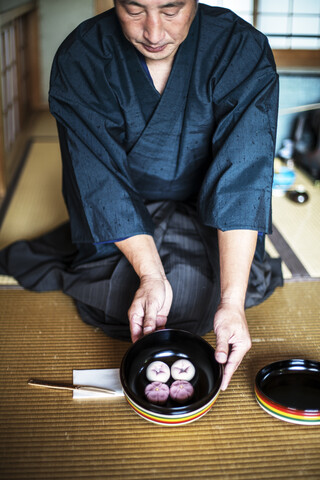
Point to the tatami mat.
(45, 434)
(37, 205)
(43, 125)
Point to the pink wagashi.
(181, 391)
(157, 392)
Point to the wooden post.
(28, 47)
(2, 152)
(255, 12)
(33, 55)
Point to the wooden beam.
(297, 58)
(103, 5)
(14, 13)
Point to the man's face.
(156, 27)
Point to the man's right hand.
(150, 307)
(152, 301)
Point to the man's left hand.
(233, 339)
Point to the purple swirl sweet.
(181, 391)
(157, 392)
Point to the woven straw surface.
(45, 434)
(37, 205)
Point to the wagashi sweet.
(181, 391)
(158, 372)
(183, 369)
(157, 392)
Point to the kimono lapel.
(147, 96)
(164, 120)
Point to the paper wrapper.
(105, 378)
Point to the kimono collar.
(157, 112)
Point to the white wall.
(57, 18)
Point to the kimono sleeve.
(236, 192)
(102, 201)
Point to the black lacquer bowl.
(168, 346)
(290, 390)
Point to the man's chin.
(160, 53)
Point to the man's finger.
(222, 346)
(234, 360)
(136, 322)
(229, 370)
(136, 309)
(150, 318)
(161, 321)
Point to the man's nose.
(153, 30)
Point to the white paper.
(105, 378)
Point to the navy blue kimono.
(178, 166)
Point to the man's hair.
(114, 1)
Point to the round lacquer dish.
(168, 346)
(290, 391)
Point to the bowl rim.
(178, 411)
(279, 366)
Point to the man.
(166, 113)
